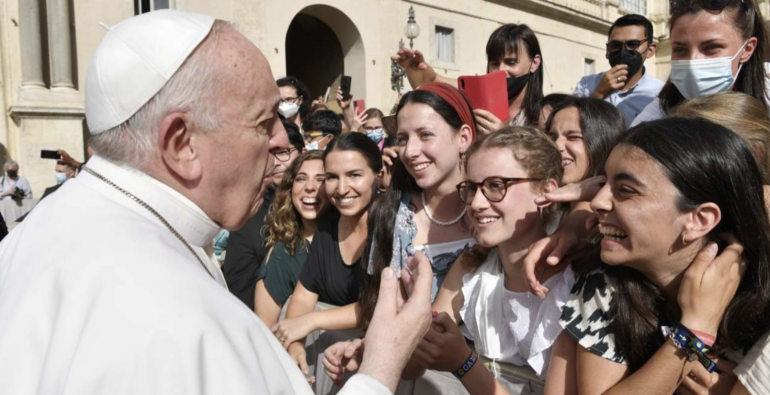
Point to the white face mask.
(312, 146)
(702, 77)
(60, 177)
(287, 109)
(375, 134)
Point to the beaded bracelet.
(467, 365)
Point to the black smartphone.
(48, 154)
(345, 82)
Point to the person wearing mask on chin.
(626, 85)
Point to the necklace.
(152, 211)
(435, 221)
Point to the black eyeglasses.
(284, 155)
(712, 5)
(631, 45)
(290, 99)
(493, 188)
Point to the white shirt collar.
(180, 212)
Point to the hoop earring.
(684, 234)
(540, 212)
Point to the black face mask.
(516, 84)
(12, 173)
(628, 57)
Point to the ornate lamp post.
(411, 31)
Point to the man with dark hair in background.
(626, 85)
(320, 127)
(246, 246)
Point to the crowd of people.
(612, 240)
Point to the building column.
(31, 43)
(60, 44)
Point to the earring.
(684, 234)
(540, 212)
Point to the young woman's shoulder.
(586, 315)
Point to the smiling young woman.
(675, 188)
(333, 269)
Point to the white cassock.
(98, 297)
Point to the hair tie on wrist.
(704, 337)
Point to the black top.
(325, 273)
(281, 271)
(245, 252)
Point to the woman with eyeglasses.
(716, 46)
(295, 100)
(484, 290)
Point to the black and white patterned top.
(586, 315)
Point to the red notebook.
(487, 92)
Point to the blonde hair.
(538, 156)
(739, 112)
(283, 222)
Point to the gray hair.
(191, 90)
(11, 162)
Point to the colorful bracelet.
(692, 347)
(467, 365)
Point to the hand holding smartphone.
(487, 92)
(48, 154)
(345, 83)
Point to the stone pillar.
(59, 42)
(31, 43)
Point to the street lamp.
(412, 30)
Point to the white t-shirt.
(754, 369)
(526, 326)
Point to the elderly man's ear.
(178, 151)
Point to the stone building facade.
(46, 47)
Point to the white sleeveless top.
(512, 327)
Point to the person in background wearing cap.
(626, 85)
(110, 285)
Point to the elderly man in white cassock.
(110, 285)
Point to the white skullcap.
(135, 60)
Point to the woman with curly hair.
(291, 222)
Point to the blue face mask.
(702, 77)
(60, 177)
(375, 134)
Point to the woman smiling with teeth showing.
(333, 269)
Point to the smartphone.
(360, 106)
(345, 82)
(487, 92)
(48, 154)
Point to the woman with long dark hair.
(511, 48)
(421, 210)
(651, 318)
(716, 46)
(333, 269)
(585, 131)
(291, 222)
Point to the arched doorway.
(322, 44)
